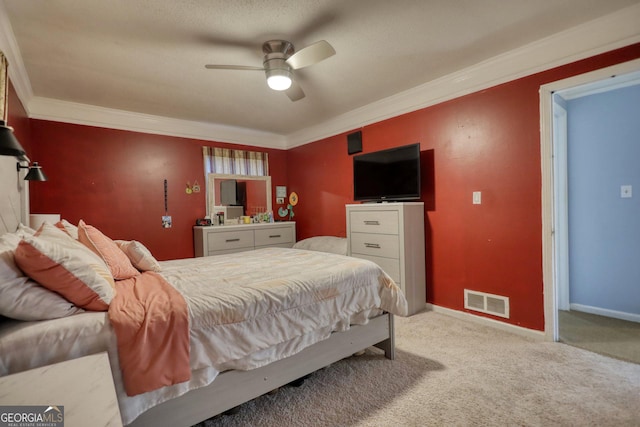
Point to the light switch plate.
(626, 191)
(477, 197)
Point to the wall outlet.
(280, 200)
(626, 191)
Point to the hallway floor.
(604, 335)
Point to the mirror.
(258, 190)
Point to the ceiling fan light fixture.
(278, 72)
(279, 82)
(279, 79)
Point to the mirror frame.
(211, 187)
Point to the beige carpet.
(604, 335)
(449, 372)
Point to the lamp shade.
(9, 145)
(278, 82)
(278, 74)
(36, 220)
(35, 173)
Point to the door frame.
(598, 80)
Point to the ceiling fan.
(280, 59)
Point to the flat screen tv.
(386, 175)
(233, 193)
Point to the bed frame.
(232, 388)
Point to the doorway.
(559, 326)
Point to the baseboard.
(631, 317)
(528, 333)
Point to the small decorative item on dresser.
(203, 221)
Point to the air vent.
(486, 303)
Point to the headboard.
(14, 196)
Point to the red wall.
(488, 141)
(114, 180)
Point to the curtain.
(235, 162)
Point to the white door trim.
(547, 168)
(561, 208)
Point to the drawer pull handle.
(274, 236)
(232, 240)
(372, 223)
(372, 245)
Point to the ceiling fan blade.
(233, 67)
(295, 92)
(311, 54)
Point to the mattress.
(246, 310)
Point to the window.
(235, 162)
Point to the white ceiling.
(148, 56)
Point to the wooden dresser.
(226, 239)
(392, 236)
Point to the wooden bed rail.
(232, 388)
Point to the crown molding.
(606, 33)
(91, 115)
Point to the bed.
(257, 320)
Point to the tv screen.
(392, 174)
(233, 193)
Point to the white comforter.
(246, 310)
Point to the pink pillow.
(22, 298)
(63, 265)
(105, 248)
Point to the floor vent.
(486, 303)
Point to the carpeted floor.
(449, 372)
(605, 335)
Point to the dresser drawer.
(226, 240)
(391, 266)
(382, 245)
(381, 222)
(274, 236)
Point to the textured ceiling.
(148, 56)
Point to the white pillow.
(24, 230)
(139, 255)
(331, 244)
(71, 229)
(22, 298)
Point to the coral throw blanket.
(151, 321)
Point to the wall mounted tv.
(392, 174)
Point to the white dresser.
(226, 239)
(392, 235)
